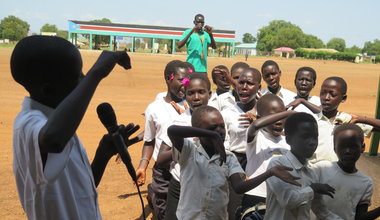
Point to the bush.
(324, 55)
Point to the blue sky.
(354, 21)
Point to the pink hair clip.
(185, 81)
(190, 70)
(172, 76)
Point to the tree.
(354, 49)
(49, 28)
(63, 33)
(338, 44)
(372, 48)
(248, 38)
(270, 37)
(313, 42)
(13, 28)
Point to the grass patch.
(7, 45)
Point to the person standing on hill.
(197, 40)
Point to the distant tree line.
(278, 33)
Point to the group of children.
(289, 152)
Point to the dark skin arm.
(240, 186)
(314, 108)
(164, 156)
(365, 120)
(265, 121)
(106, 150)
(183, 42)
(208, 29)
(362, 213)
(147, 153)
(66, 117)
(178, 133)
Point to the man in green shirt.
(197, 41)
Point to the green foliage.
(338, 44)
(62, 33)
(312, 41)
(248, 38)
(49, 28)
(13, 28)
(280, 33)
(372, 48)
(353, 49)
(324, 55)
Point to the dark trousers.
(249, 201)
(160, 184)
(172, 199)
(235, 199)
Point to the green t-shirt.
(197, 44)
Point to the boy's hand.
(141, 175)
(324, 189)
(223, 72)
(294, 104)
(208, 29)
(107, 61)
(247, 118)
(282, 173)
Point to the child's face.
(176, 87)
(197, 94)
(247, 87)
(305, 141)
(221, 82)
(274, 107)
(331, 95)
(348, 147)
(271, 75)
(236, 73)
(304, 83)
(212, 121)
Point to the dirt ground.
(131, 91)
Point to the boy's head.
(199, 19)
(219, 80)
(333, 92)
(271, 74)
(248, 84)
(269, 104)
(48, 67)
(237, 69)
(176, 74)
(198, 90)
(301, 133)
(209, 118)
(305, 81)
(348, 143)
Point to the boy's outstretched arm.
(164, 156)
(240, 186)
(362, 213)
(265, 121)
(177, 133)
(107, 149)
(375, 123)
(65, 119)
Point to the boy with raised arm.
(53, 175)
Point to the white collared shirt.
(204, 183)
(351, 190)
(226, 100)
(302, 108)
(65, 188)
(286, 201)
(286, 95)
(325, 149)
(237, 134)
(183, 119)
(259, 153)
(157, 115)
(213, 101)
